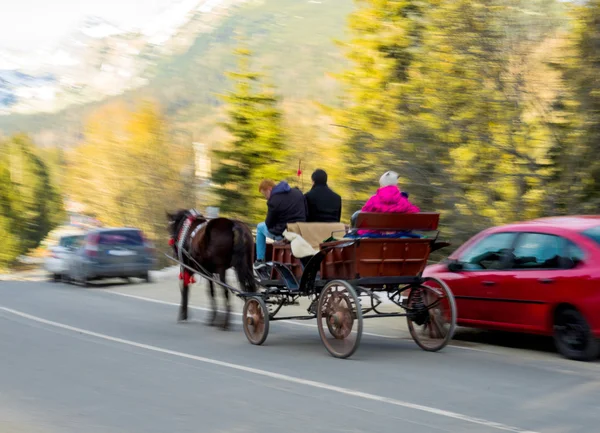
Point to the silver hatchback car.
(111, 253)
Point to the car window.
(574, 253)
(129, 238)
(539, 251)
(490, 252)
(79, 241)
(70, 241)
(593, 234)
(66, 241)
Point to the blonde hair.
(265, 185)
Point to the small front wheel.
(340, 312)
(255, 318)
(431, 314)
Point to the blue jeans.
(262, 233)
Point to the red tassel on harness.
(171, 242)
(187, 278)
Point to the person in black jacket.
(285, 205)
(324, 205)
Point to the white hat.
(388, 178)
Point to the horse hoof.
(212, 320)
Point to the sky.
(31, 24)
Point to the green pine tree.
(257, 150)
(385, 39)
(31, 204)
(443, 91)
(9, 247)
(581, 68)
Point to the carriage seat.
(393, 225)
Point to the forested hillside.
(294, 40)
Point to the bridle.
(177, 241)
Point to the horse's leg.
(213, 301)
(227, 305)
(183, 308)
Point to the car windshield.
(593, 234)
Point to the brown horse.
(216, 245)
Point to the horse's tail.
(243, 252)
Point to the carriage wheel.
(336, 329)
(339, 310)
(256, 320)
(431, 314)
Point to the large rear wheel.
(339, 311)
(431, 314)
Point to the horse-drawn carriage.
(346, 279)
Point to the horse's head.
(176, 220)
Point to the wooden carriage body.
(346, 276)
(371, 257)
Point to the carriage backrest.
(424, 221)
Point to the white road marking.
(290, 322)
(192, 307)
(277, 376)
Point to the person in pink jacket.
(388, 199)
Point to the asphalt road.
(93, 360)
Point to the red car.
(539, 277)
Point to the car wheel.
(573, 337)
(147, 278)
(55, 278)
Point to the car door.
(483, 267)
(75, 258)
(66, 247)
(537, 271)
(71, 249)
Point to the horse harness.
(182, 235)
